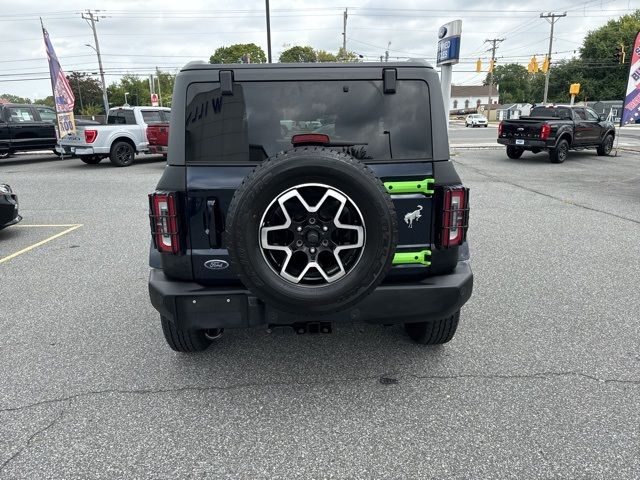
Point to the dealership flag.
(631, 110)
(62, 93)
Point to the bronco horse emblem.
(410, 217)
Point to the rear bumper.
(81, 151)
(193, 306)
(528, 144)
(157, 149)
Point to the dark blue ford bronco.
(306, 194)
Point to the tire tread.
(434, 333)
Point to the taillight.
(164, 222)
(545, 131)
(500, 129)
(90, 136)
(455, 216)
(310, 138)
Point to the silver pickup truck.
(120, 139)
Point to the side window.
(21, 114)
(151, 116)
(166, 116)
(47, 115)
(121, 117)
(591, 115)
(579, 114)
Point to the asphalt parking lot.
(541, 381)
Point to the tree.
(14, 98)
(298, 54)
(92, 109)
(324, 56)
(346, 56)
(48, 101)
(166, 87)
(514, 83)
(136, 88)
(85, 88)
(608, 79)
(234, 53)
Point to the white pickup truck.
(124, 135)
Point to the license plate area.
(519, 141)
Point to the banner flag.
(631, 107)
(62, 93)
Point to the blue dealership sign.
(449, 43)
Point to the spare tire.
(311, 231)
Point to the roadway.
(541, 379)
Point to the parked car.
(367, 224)
(124, 135)
(158, 137)
(556, 129)
(476, 120)
(8, 206)
(25, 127)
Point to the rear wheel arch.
(565, 136)
(129, 140)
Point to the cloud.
(137, 36)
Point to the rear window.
(551, 112)
(152, 116)
(121, 117)
(260, 118)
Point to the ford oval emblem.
(216, 264)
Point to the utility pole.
(91, 19)
(159, 92)
(79, 91)
(554, 18)
(386, 53)
(494, 44)
(268, 31)
(344, 30)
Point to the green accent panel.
(411, 186)
(401, 258)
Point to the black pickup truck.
(557, 129)
(26, 127)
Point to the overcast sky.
(138, 35)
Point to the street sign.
(574, 89)
(154, 100)
(449, 43)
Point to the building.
(513, 111)
(604, 107)
(470, 97)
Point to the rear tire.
(122, 154)
(514, 152)
(433, 333)
(91, 159)
(187, 341)
(485, 125)
(5, 155)
(606, 146)
(559, 154)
